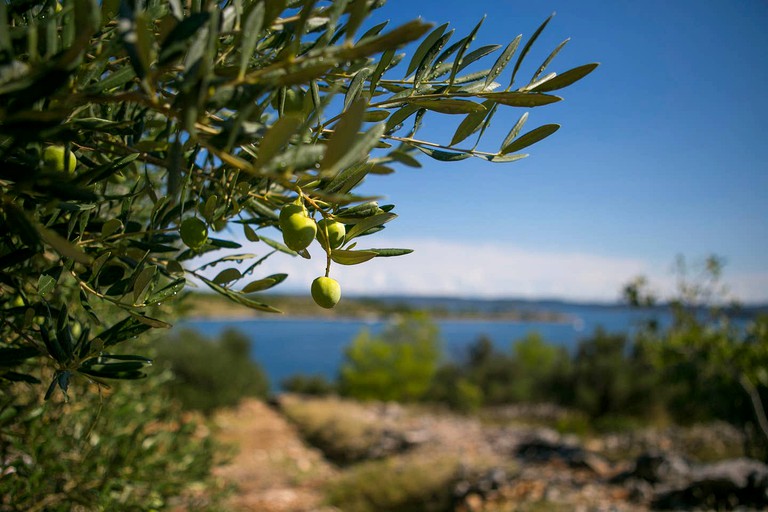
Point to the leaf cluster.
(224, 112)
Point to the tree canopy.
(136, 136)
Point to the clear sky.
(662, 152)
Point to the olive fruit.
(298, 231)
(194, 232)
(289, 210)
(53, 159)
(326, 292)
(335, 230)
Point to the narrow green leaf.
(549, 59)
(527, 48)
(394, 39)
(369, 222)
(531, 137)
(443, 156)
(239, 297)
(344, 133)
(359, 149)
(449, 106)
(278, 136)
(254, 22)
(63, 246)
(471, 123)
(388, 253)
(45, 285)
(504, 158)
(167, 291)
(400, 116)
(346, 257)
(567, 78)
(424, 47)
(227, 276)
(250, 234)
(515, 130)
(225, 244)
(277, 246)
(374, 116)
(520, 99)
(153, 323)
(503, 60)
(175, 43)
(257, 286)
(142, 281)
(426, 63)
(457, 63)
(357, 15)
(111, 227)
(405, 158)
(381, 67)
(477, 54)
(129, 327)
(265, 283)
(355, 86)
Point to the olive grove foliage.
(220, 111)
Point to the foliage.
(398, 364)
(131, 449)
(409, 483)
(223, 112)
(610, 378)
(209, 374)
(315, 385)
(712, 360)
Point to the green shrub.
(399, 364)
(131, 449)
(451, 387)
(315, 385)
(409, 483)
(609, 379)
(211, 374)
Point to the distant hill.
(550, 310)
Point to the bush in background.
(399, 364)
(314, 385)
(209, 374)
(131, 449)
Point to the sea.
(285, 347)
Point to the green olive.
(53, 159)
(326, 292)
(294, 101)
(289, 210)
(298, 231)
(335, 230)
(194, 233)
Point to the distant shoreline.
(213, 307)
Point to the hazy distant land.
(205, 305)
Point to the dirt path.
(272, 468)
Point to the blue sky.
(662, 152)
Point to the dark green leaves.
(343, 257)
(449, 106)
(344, 133)
(521, 99)
(531, 137)
(178, 39)
(239, 297)
(567, 78)
(503, 60)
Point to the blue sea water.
(290, 346)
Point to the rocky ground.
(472, 464)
